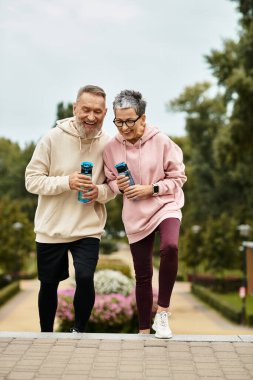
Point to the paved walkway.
(124, 357)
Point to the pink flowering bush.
(111, 313)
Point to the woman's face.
(130, 133)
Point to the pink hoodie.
(154, 158)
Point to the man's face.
(90, 111)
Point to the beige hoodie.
(59, 216)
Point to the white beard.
(86, 132)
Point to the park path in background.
(189, 315)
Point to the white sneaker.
(161, 325)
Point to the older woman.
(151, 205)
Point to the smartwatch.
(155, 188)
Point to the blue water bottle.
(86, 168)
(123, 169)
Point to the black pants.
(52, 260)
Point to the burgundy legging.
(142, 258)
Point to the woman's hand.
(139, 191)
(122, 182)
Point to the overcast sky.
(50, 48)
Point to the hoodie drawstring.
(139, 160)
(140, 178)
(91, 145)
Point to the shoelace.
(163, 319)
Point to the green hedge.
(9, 291)
(114, 264)
(210, 298)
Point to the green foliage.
(108, 246)
(13, 161)
(16, 244)
(63, 112)
(9, 291)
(219, 153)
(114, 264)
(114, 224)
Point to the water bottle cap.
(87, 163)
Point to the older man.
(62, 223)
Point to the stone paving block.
(77, 359)
(132, 345)
(44, 341)
(88, 343)
(8, 363)
(18, 341)
(155, 351)
(249, 365)
(107, 353)
(156, 343)
(62, 348)
(180, 355)
(157, 365)
(99, 365)
(210, 373)
(207, 365)
(20, 375)
(223, 346)
(167, 377)
(202, 351)
(130, 376)
(104, 359)
(233, 370)
(200, 344)
(108, 347)
(204, 359)
(178, 347)
(246, 358)
(50, 371)
(235, 377)
(157, 372)
(73, 377)
(30, 362)
(244, 350)
(103, 374)
(182, 368)
(185, 376)
(130, 368)
(131, 353)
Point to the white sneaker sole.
(163, 336)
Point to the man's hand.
(83, 183)
(139, 191)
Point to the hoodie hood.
(67, 126)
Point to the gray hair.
(130, 99)
(92, 90)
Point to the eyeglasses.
(129, 123)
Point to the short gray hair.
(130, 99)
(92, 90)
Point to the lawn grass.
(236, 301)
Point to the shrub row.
(9, 291)
(225, 309)
(219, 285)
(114, 264)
